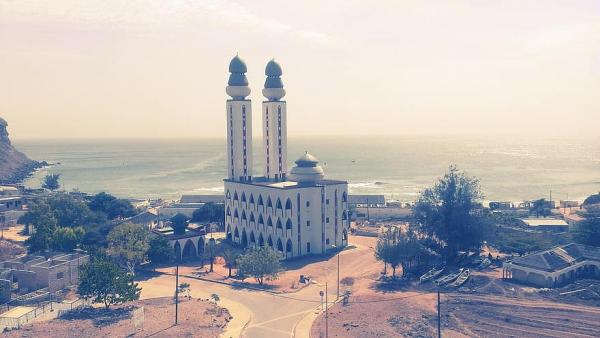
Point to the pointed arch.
(189, 249)
(244, 215)
(345, 236)
(269, 202)
(269, 222)
(228, 212)
(344, 197)
(288, 224)
(236, 233)
(228, 232)
(177, 249)
(279, 245)
(252, 198)
(260, 201)
(261, 221)
(228, 195)
(252, 238)
(270, 241)
(261, 240)
(288, 246)
(279, 225)
(235, 214)
(243, 197)
(288, 205)
(252, 220)
(244, 241)
(278, 204)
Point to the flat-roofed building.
(546, 224)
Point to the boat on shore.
(461, 279)
(448, 278)
(431, 274)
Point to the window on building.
(307, 204)
(60, 275)
(327, 220)
(327, 241)
(307, 246)
(307, 223)
(327, 201)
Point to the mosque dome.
(237, 86)
(237, 65)
(307, 170)
(273, 90)
(273, 69)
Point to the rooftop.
(262, 181)
(559, 257)
(536, 222)
(364, 199)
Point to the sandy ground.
(486, 306)
(14, 233)
(196, 319)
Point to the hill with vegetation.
(14, 165)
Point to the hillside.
(14, 165)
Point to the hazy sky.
(147, 68)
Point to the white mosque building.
(296, 213)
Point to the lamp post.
(338, 270)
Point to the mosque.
(297, 213)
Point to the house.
(546, 224)
(364, 201)
(555, 267)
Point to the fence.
(52, 309)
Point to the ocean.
(510, 169)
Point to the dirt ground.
(486, 306)
(196, 319)
(10, 250)
(14, 233)
(356, 262)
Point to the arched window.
(251, 217)
(288, 246)
(236, 233)
(228, 195)
(278, 204)
(260, 220)
(279, 245)
(269, 222)
(261, 240)
(228, 212)
(288, 205)
(260, 201)
(288, 224)
(344, 215)
(235, 197)
(344, 197)
(270, 241)
(252, 239)
(235, 214)
(279, 225)
(251, 198)
(269, 203)
(243, 215)
(243, 197)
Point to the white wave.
(212, 189)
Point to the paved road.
(271, 315)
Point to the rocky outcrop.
(14, 165)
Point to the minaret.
(239, 123)
(274, 124)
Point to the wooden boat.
(462, 278)
(485, 263)
(431, 274)
(448, 278)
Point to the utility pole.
(326, 314)
(176, 289)
(439, 315)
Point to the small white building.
(546, 224)
(296, 213)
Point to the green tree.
(209, 212)
(230, 256)
(448, 213)
(592, 199)
(159, 250)
(179, 223)
(261, 263)
(104, 282)
(111, 206)
(44, 222)
(128, 243)
(588, 231)
(51, 182)
(66, 239)
(71, 211)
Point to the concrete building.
(297, 212)
(555, 267)
(546, 224)
(366, 201)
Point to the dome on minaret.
(238, 83)
(273, 90)
(307, 170)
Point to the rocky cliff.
(14, 165)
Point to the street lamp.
(338, 270)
